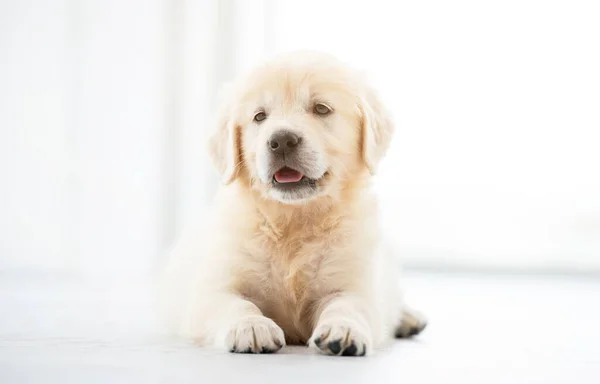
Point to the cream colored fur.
(261, 272)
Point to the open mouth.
(287, 175)
(292, 184)
(289, 179)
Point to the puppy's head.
(302, 125)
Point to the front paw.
(341, 339)
(255, 334)
(411, 324)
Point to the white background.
(104, 108)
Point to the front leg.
(342, 327)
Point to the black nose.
(283, 142)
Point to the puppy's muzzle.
(284, 142)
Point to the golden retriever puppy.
(293, 252)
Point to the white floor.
(511, 329)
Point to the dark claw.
(249, 350)
(266, 350)
(350, 350)
(335, 347)
(412, 331)
(318, 342)
(421, 328)
(364, 351)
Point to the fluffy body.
(302, 265)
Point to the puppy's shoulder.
(234, 209)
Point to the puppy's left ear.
(377, 129)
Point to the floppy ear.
(377, 129)
(224, 145)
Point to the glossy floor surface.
(483, 329)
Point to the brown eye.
(322, 109)
(260, 116)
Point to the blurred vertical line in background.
(122, 111)
(170, 175)
(34, 115)
(269, 26)
(200, 64)
(73, 87)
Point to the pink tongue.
(287, 175)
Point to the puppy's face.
(300, 133)
(300, 127)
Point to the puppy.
(293, 252)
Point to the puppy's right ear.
(224, 145)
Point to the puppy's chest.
(288, 266)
